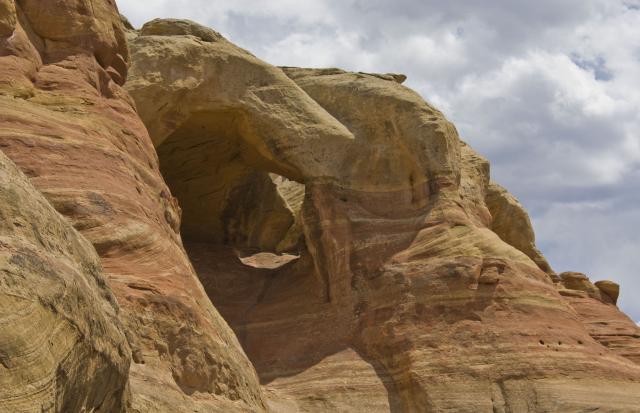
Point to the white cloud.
(548, 90)
(587, 236)
(342, 47)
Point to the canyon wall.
(74, 131)
(62, 346)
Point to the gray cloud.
(548, 90)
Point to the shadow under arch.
(223, 184)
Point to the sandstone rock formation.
(595, 305)
(356, 246)
(60, 336)
(67, 123)
(417, 286)
(511, 222)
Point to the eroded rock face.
(67, 123)
(62, 346)
(410, 291)
(454, 291)
(595, 305)
(511, 222)
(354, 243)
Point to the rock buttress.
(68, 124)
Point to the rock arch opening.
(242, 228)
(240, 218)
(229, 194)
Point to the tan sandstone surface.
(67, 123)
(357, 248)
(60, 336)
(409, 290)
(595, 305)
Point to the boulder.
(610, 289)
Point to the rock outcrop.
(595, 305)
(512, 224)
(62, 346)
(417, 285)
(68, 124)
(355, 245)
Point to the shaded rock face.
(415, 285)
(70, 127)
(62, 346)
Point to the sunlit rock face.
(61, 335)
(68, 124)
(357, 253)
(380, 269)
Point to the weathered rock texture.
(354, 243)
(67, 123)
(595, 305)
(62, 346)
(416, 285)
(511, 222)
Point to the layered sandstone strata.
(60, 335)
(68, 124)
(595, 304)
(354, 243)
(416, 285)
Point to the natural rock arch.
(224, 188)
(399, 309)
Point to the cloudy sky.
(547, 90)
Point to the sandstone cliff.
(355, 245)
(68, 124)
(60, 333)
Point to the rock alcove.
(240, 219)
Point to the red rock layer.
(67, 123)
